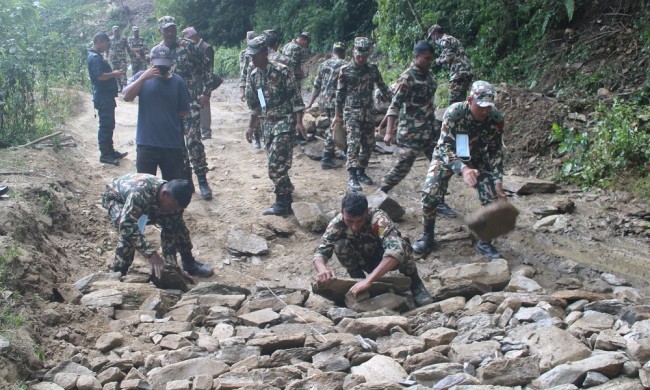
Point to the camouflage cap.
(338, 45)
(135, 28)
(189, 32)
(306, 35)
(115, 28)
(161, 55)
(483, 93)
(436, 28)
(362, 44)
(166, 21)
(250, 35)
(256, 45)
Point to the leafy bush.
(616, 147)
(226, 61)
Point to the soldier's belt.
(276, 118)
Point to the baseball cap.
(189, 32)
(436, 28)
(362, 45)
(135, 28)
(250, 35)
(483, 93)
(306, 35)
(338, 45)
(161, 55)
(115, 28)
(166, 21)
(256, 45)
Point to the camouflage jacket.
(354, 89)
(138, 193)
(413, 102)
(485, 140)
(453, 55)
(280, 92)
(378, 234)
(295, 53)
(326, 80)
(193, 67)
(277, 56)
(119, 49)
(244, 67)
(138, 45)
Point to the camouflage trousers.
(458, 89)
(174, 236)
(358, 255)
(330, 146)
(138, 65)
(409, 150)
(195, 149)
(361, 140)
(279, 137)
(437, 181)
(122, 65)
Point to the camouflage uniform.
(282, 102)
(296, 54)
(117, 55)
(325, 82)
(193, 67)
(138, 62)
(485, 145)
(453, 55)
(277, 56)
(244, 67)
(354, 93)
(364, 251)
(413, 103)
(129, 198)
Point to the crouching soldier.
(136, 199)
(367, 241)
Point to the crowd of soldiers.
(467, 142)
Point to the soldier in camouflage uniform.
(207, 50)
(280, 108)
(296, 51)
(245, 66)
(138, 199)
(325, 87)
(452, 56)
(139, 51)
(354, 93)
(117, 55)
(367, 241)
(272, 43)
(193, 67)
(481, 125)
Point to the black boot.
(385, 187)
(486, 248)
(119, 155)
(446, 211)
(206, 192)
(327, 163)
(420, 294)
(106, 155)
(362, 177)
(424, 244)
(193, 267)
(188, 177)
(353, 181)
(280, 207)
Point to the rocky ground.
(567, 307)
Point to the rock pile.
(490, 328)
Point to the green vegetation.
(615, 148)
(9, 319)
(226, 61)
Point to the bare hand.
(150, 73)
(360, 287)
(388, 138)
(156, 265)
(325, 276)
(242, 94)
(117, 74)
(249, 135)
(187, 277)
(470, 176)
(300, 129)
(204, 100)
(501, 193)
(336, 121)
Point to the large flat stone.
(554, 346)
(495, 274)
(309, 216)
(526, 186)
(380, 368)
(336, 289)
(509, 372)
(241, 243)
(103, 298)
(608, 363)
(373, 327)
(260, 318)
(158, 377)
(381, 200)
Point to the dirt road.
(242, 190)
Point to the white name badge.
(260, 96)
(462, 145)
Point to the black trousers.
(170, 161)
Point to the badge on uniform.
(260, 96)
(462, 145)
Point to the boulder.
(607, 363)
(108, 341)
(309, 216)
(373, 327)
(526, 186)
(241, 243)
(158, 377)
(509, 372)
(429, 375)
(381, 200)
(380, 368)
(474, 353)
(103, 298)
(554, 346)
(495, 274)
